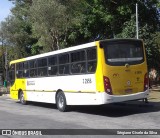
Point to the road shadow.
(119, 109)
(109, 110)
(39, 104)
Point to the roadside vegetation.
(38, 26)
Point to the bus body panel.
(74, 83)
(44, 89)
(19, 84)
(126, 77)
(127, 82)
(99, 70)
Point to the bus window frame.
(91, 60)
(34, 68)
(67, 64)
(29, 67)
(78, 63)
(42, 70)
(103, 44)
(53, 65)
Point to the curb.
(157, 90)
(6, 95)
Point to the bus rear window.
(119, 53)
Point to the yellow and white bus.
(95, 73)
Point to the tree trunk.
(55, 40)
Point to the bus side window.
(78, 62)
(52, 70)
(78, 67)
(63, 64)
(42, 67)
(91, 66)
(33, 68)
(26, 70)
(52, 65)
(12, 74)
(33, 72)
(64, 69)
(26, 73)
(91, 60)
(19, 70)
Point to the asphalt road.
(133, 115)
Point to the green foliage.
(38, 26)
(51, 21)
(18, 29)
(153, 50)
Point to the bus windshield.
(123, 52)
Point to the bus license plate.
(128, 90)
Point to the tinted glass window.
(19, 66)
(12, 74)
(52, 65)
(91, 66)
(32, 64)
(78, 56)
(52, 60)
(42, 71)
(19, 70)
(63, 59)
(33, 72)
(25, 65)
(91, 60)
(78, 62)
(64, 64)
(26, 73)
(19, 74)
(124, 52)
(42, 62)
(91, 54)
(64, 69)
(78, 67)
(52, 70)
(33, 69)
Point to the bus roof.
(56, 52)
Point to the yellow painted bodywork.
(99, 70)
(19, 84)
(119, 76)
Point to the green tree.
(51, 21)
(19, 29)
(147, 29)
(55, 24)
(106, 19)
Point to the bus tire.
(61, 102)
(22, 99)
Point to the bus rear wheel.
(61, 102)
(22, 99)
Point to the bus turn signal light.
(107, 85)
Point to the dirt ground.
(154, 94)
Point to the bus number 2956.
(87, 80)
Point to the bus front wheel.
(61, 102)
(22, 99)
